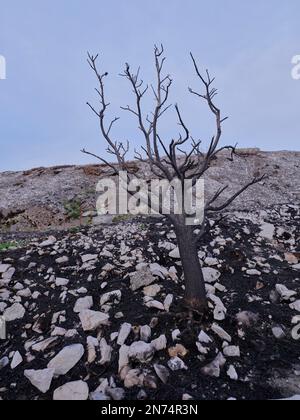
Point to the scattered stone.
(141, 279)
(66, 359)
(232, 351)
(16, 361)
(175, 254)
(91, 320)
(145, 333)
(159, 343)
(221, 333)
(267, 231)
(133, 378)
(62, 260)
(41, 346)
(177, 364)
(88, 258)
(60, 282)
(247, 318)
(168, 302)
(253, 272)
(49, 242)
(284, 292)
(214, 368)
(162, 372)
(141, 351)
(232, 373)
(278, 333)
(152, 290)
(40, 379)
(211, 275)
(124, 333)
(295, 306)
(117, 394)
(83, 303)
(105, 351)
(155, 305)
(4, 362)
(72, 391)
(204, 338)
(16, 311)
(114, 297)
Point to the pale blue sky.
(247, 45)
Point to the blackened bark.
(195, 293)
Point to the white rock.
(232, 351)
(214, 368)
(60, 282)
(88, 258)
(124, 333)
(221, 333)
(117, 394)
(83, 303)
(133, 378)
(43, 345)
(210, 275)
(220, 311)
(231, 372)
(123, 357)
(267, 231)
(175, 335)
(114, 296)
(247, 318)
(162, 372)
(145, 333)
(16, 361)
(4, 362)
(91, 320)
(278, 333)
(40, 379)
(92, 343)
(66, 359)
(152, 290)
(62, 260)
(155, 304)
(4, 268)
(141, 351)
(175, 254)
(141, 278)
(175, 363)
(204, 338)
(211, 262)
(105, 351)
(158, 270)
(49, 242)
(159, 343)
(72, 391)
(284, 292)
(168, 302)
(253, 272)
(295, 306)
(16, 311)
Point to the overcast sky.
(247, 45)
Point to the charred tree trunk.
(195, 293)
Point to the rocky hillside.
(96, 314)
(45, 198)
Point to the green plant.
(5, 246)
(73, 209)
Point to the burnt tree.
(168, 160)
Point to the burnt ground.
(267, 368)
